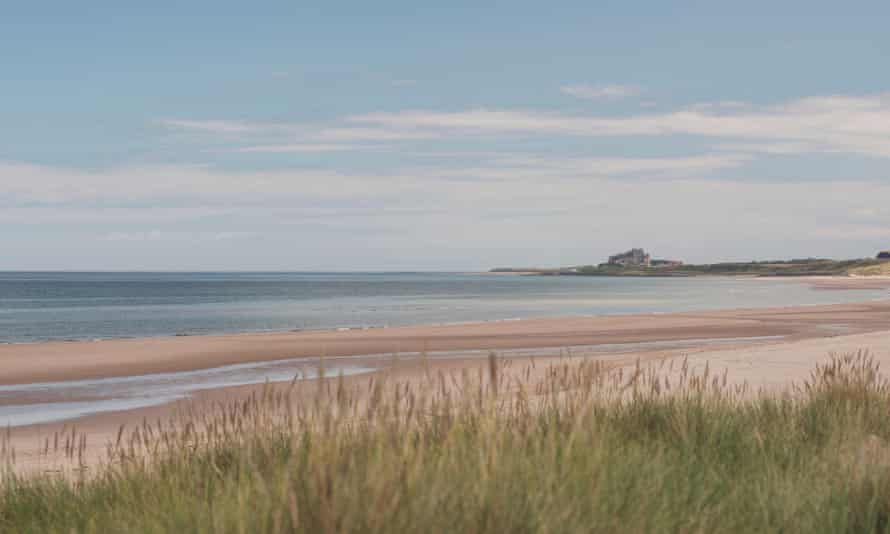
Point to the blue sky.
(282, 135)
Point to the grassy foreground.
(582, 450)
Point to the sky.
(451, 136)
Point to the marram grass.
(583, 450)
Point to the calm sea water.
(58, 306)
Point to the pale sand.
(808, 335)
(773, 368)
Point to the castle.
(637, 257)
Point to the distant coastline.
(773, 268)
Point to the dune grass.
(581, 450)
(879, 268)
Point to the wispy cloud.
(767, 147)
(561, 167)
(371, 134)
(819, 124)
(856, 125)
(598, 92)
(273, 137)
(226, 126)
(208, 188)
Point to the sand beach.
(764, 348)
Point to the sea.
(47, 306)
(44, 306)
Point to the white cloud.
(597, 92)
(614, 167)
(211, 126)
(485, 180)
(540, 208)
(371, 134)
(834, 124)
(294, 137)
(774, 147)
(208, 188)
(857, 125)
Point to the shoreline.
(733, 339)
(54, 361)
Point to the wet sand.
(57, 361)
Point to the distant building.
(635, 257)
(666, 263)
(884, 255)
